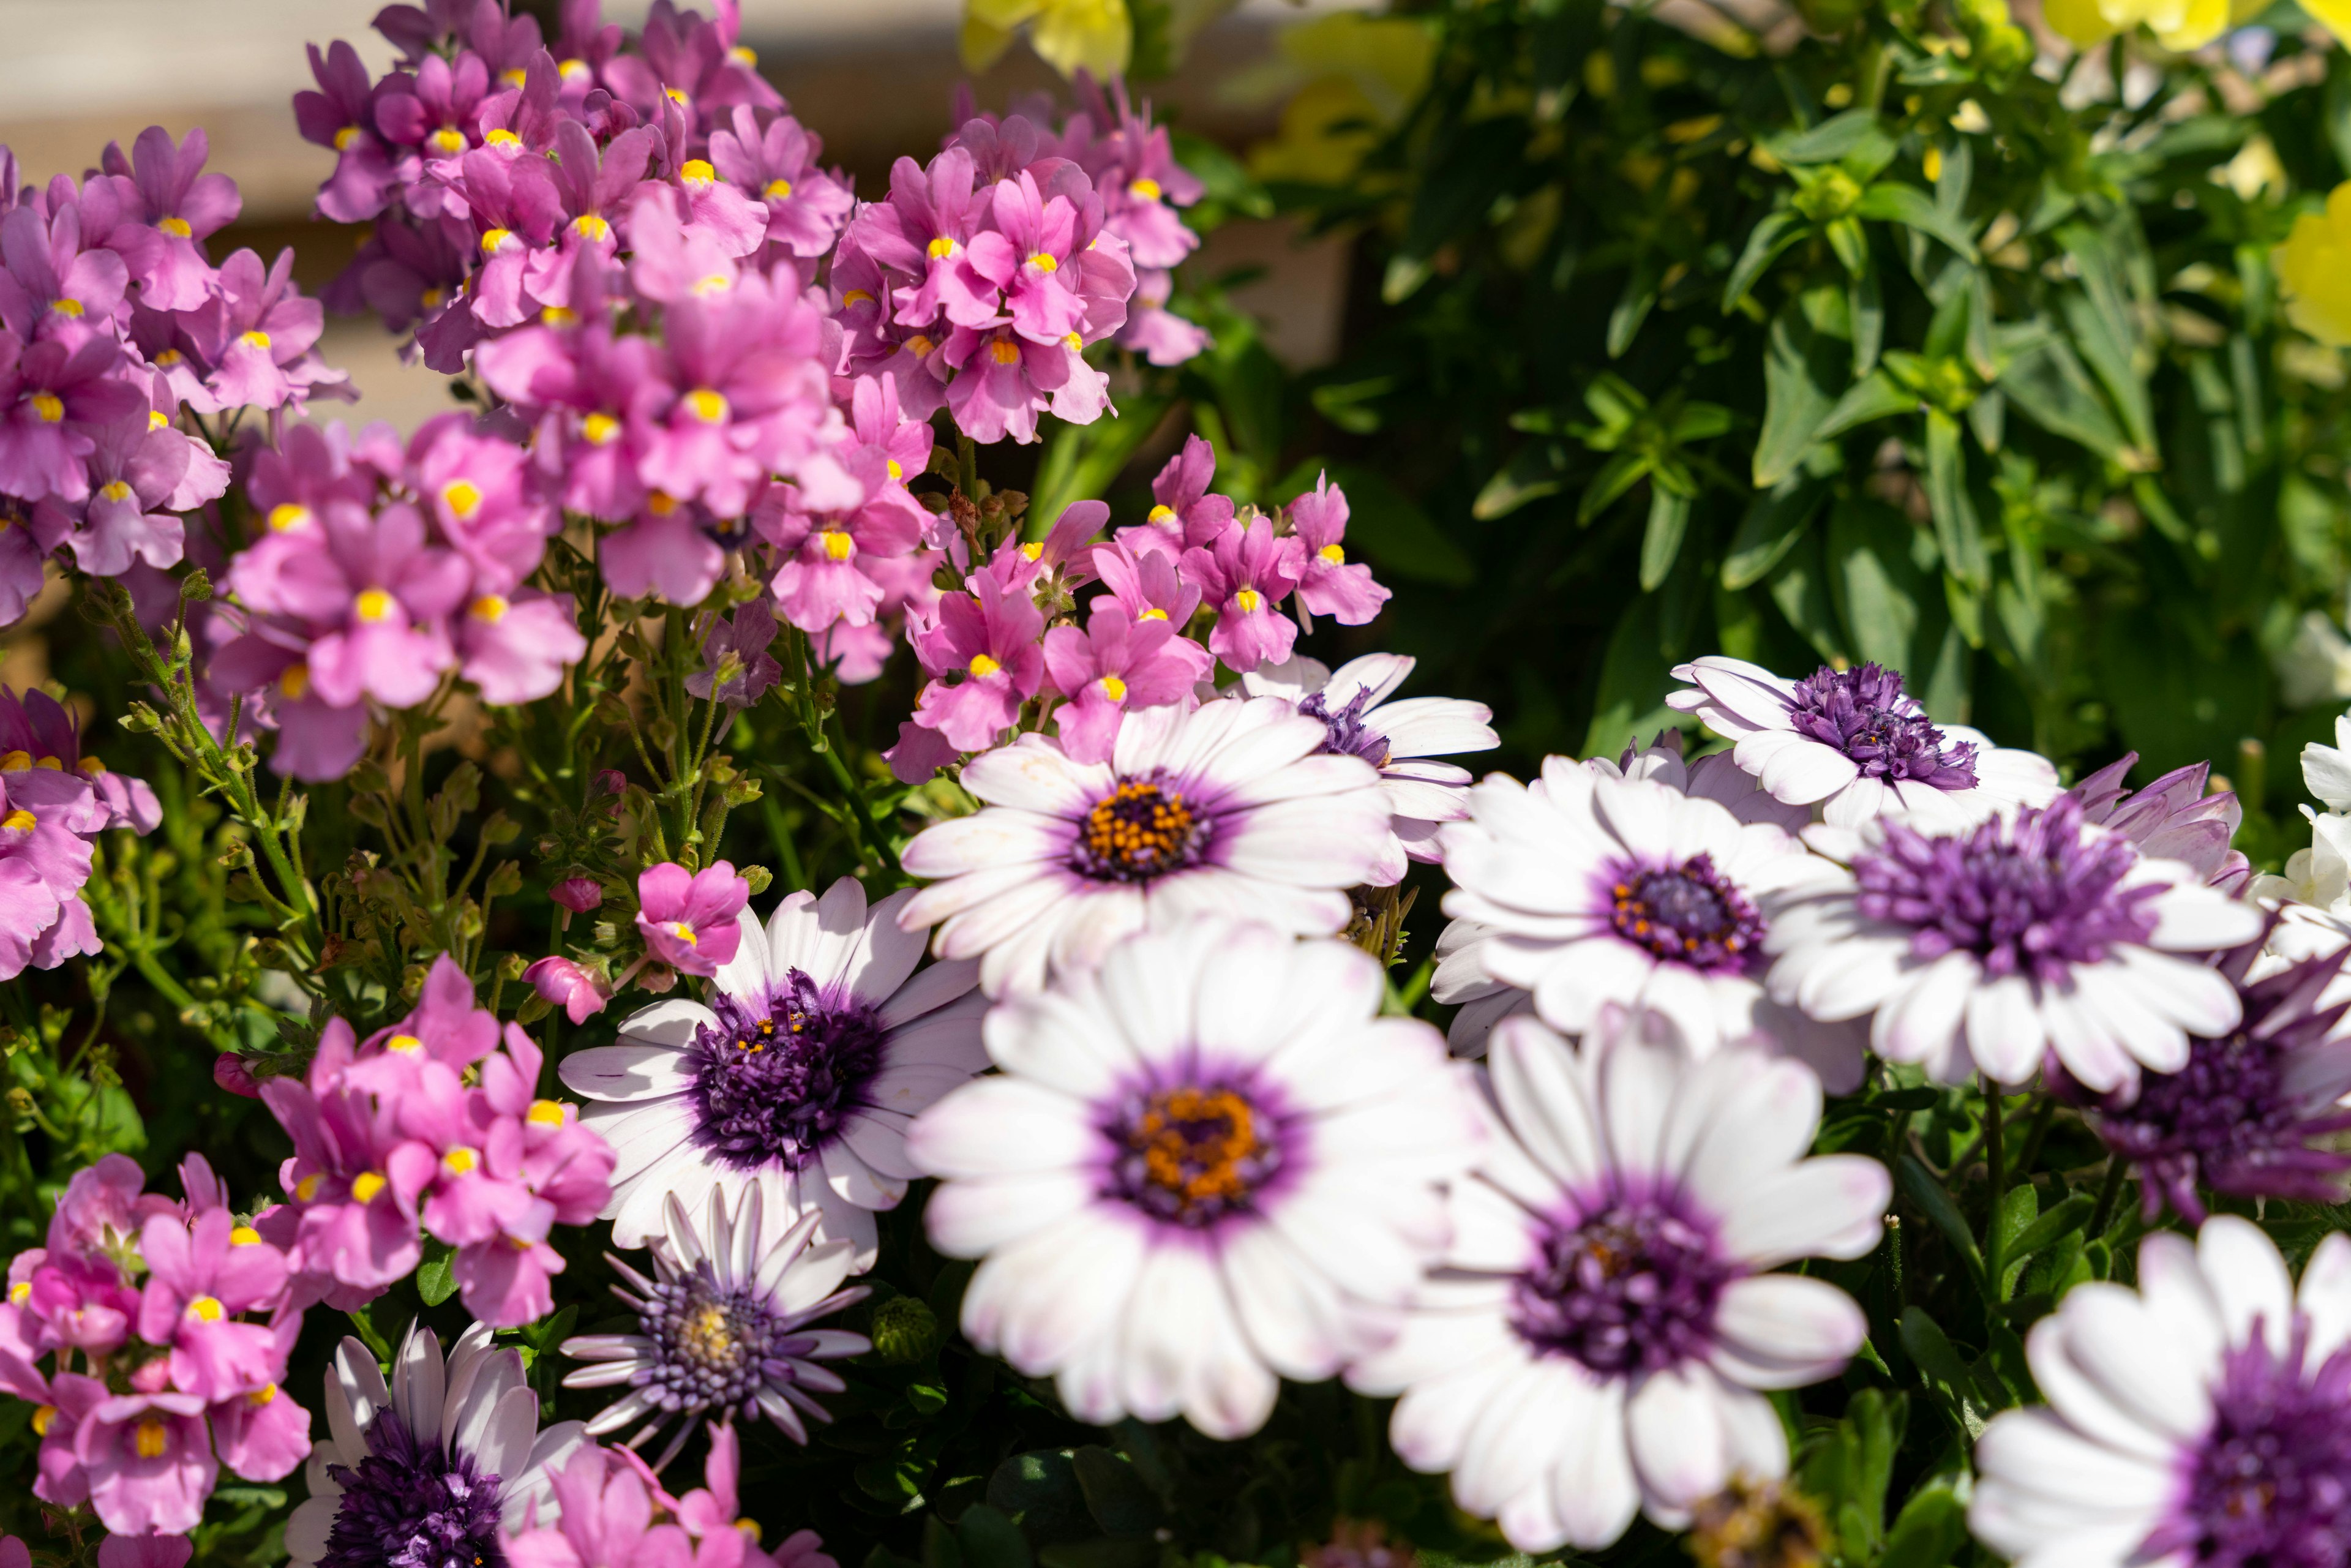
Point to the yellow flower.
(2178, 25)
(2315, 265)
(1069, 35)
(1349, 78)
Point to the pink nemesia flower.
(53, 398)
(170, 207)
(666, 552)
(1148, 587)
(1245, 575)
(51, 285)
(579, 994)
(990, 640)
(805, 205)
(1329, 583)
(515, 648)
(688, 918)
(48, 736)
(1185, 516)
(123, 1551)
(200, 1278)
(149, 1459)
(1112, 665)
(353, 1181)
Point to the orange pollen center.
(1193, 1141)
(1004, 352)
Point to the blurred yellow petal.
(1089, 35)
(984, 43)
(2080, 22)
(2189, 26)
(2315, 266)
(2334, 16)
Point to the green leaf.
(1770, 527)
(1116, 1497)
(1228, 186)
(1634, 679)
(1778, 230)
(991, 1540)
(1920, 1184)
(1617, 476)
(1669, 516)
(1893, 203)
(1633, 306)
(1854, 133)
(1874, 397)
(1957, 530)
(2062, 1221)
(1801, 367)
(1394, 534)
(1933, 1526)
(1535, 470)
(1877, 581)
(2049, 386)
(1799, 586)
(1462, 181)
(1350, 405)
(2106, 326)
(1866, 310)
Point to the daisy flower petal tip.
(1234, 807)
(2199, 1418)
(448, 1451)
(1403, 739)
(1632, 885)
(1854, 745)
(819, 1040)
(1606, 1323)
(1207, 1165)
(2032, 934)
(724, 1327)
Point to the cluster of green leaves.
(1890, 347)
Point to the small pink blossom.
(1245, 575)
(688, 918)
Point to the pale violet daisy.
(2032, 932)
(1595, 1342)
(2204, 1418)
(820, 1043)
(1399, 738)
(1854, 744)
(1233, 809)
(1598, 888)
(722, 1327)
(1210, 1164)
(429, 1470)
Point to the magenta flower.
(53, 398)
(825, 575)
(264, 1434)
(149, 1459)
(1186, 517)
(1112, 665)
(515, 648)
(412, 277)
(341, 115)
(443, 1027)
(127, 1551)
(50, 286)
(920, 235)
(376, 594)
(1148, 587)
(565, 984)
(1060, 562)
(1003, 381)
(317, 741)
(38, 731)
(23, 564)
(258, 336)
(169, 208)
(737, 668)
(591, 391)
(485, 496)
(807, 205)
(1245, 575)
(353, 1183)
(45, 858)
(433, 114)
(200, 1278)
(134, 470)
(1330, 584)
(688, 918)
(666, 552)
(579, 893)
(515, 207)
(985, 653)
(673, 259)
(594, 188)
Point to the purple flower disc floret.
(1864, 713)
(772, 1084)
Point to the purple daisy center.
(2032, 897)
(2231, 1119)
(713, 1347)
(1864, 714)
(1192, 1153)
(1629, 1289)
(410, 1505)
(1691, 914)
(1349, 737)
(1145, 827)
(774, 1081)
(2269, 1484)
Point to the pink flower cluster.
(167, 1323)
(53, 800)
(432, 1126)
(989, 651)
(113, 323)
(689, 924)
(1132, 166)
(381, 568)
(612, 1512)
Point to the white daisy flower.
(1210, 1164)
(1854, 743)
(1593, 1342)
(450, 1455)
(1599, 888)
(820, 1044)
(722, 1327)
(2201, 1419)
(2032, 932)
(1231, 809)
(1397, 738)
(1461, 981)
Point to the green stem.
(2108, 1191)
(1996, 1181)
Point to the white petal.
(1784, 1331)
(1675, 1430)
(627, 1071)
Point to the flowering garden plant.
(663, 969)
